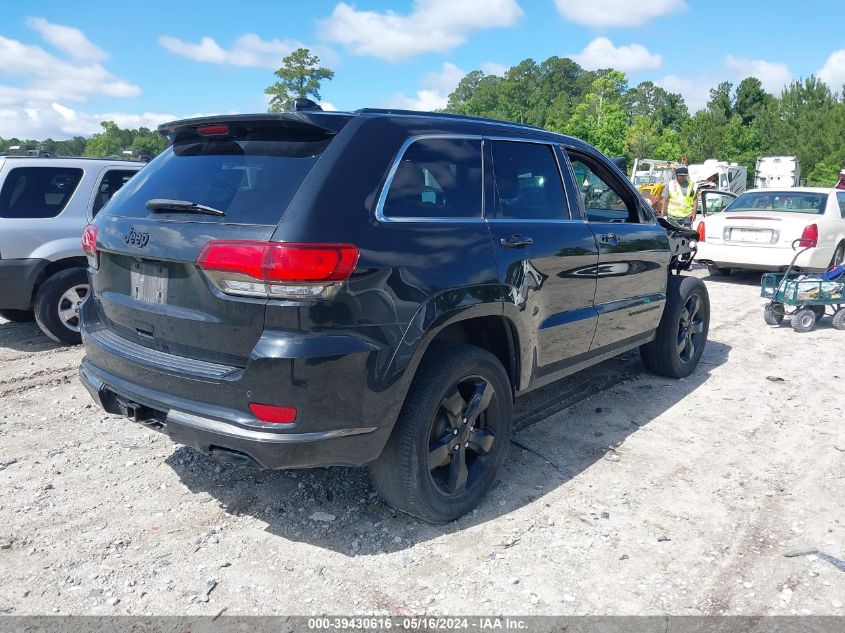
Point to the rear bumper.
(226, 439)
(761, 257)
(17, 281)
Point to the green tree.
(665, 109)
(146, 141)
(600, 118)
(721, 101)
(642, 138)
(109, 142)
(300, 77)
(750, 99)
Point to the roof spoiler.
(328, 123)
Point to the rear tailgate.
(149, 288)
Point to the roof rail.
(446, 115)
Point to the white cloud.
(248, 50)
(492, 68)
(49, 77)
(432, 26)
(57, 121)
(68, 39)
(601, 53)
(773, 75)
(605, 13)
(695, 89)
(435, 91)
(833, 71)
(34, 105)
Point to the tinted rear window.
(251, 178)
(783, 201)
(528, 184)
(37, 192)
(437, 178)
(110, 184)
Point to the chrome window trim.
(395, 166)
(379, 211)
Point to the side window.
(604, 200)
(37, 192)
(112, 180)
(437, 178)
(841, 198)
(528, 185)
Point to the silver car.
(45, 204)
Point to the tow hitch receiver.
(138, 412)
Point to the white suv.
(45, 204)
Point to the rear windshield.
(37, 192)
(251, 178)
(784, 201)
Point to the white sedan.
(758, 229)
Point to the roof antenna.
(303, 105)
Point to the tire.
(18, 316)
(680, 340)
(62, 293)
(716, 271)
(838, 256)
(803, 320)
(773, 314)
(839, 319)
(409, 474)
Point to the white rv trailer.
(777, 172)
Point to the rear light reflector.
(277, 270)
(702, 233)
(810, 236)
(273, 414)
(89, 245)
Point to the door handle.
(516, 241)
(609, 238)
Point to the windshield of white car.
(780, 201)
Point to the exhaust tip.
(237, 458)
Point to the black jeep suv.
(374, 288)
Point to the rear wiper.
(181, 206)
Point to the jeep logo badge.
(136, 238)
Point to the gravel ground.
(650, 497)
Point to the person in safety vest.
(680, 196)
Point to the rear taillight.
(810, 236)
(277, 270)
(702, 233)
(89, 245)
(273, 414)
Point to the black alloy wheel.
(690, 328)
(462, 435)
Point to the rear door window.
(528, 185)
(110, 183)
(841, 198)
(251, 177)
(37, 192)
(437, 178)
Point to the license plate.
(149, 282)
(759, 236)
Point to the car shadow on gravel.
(24, 337)
(738, 277)
(337, 508)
